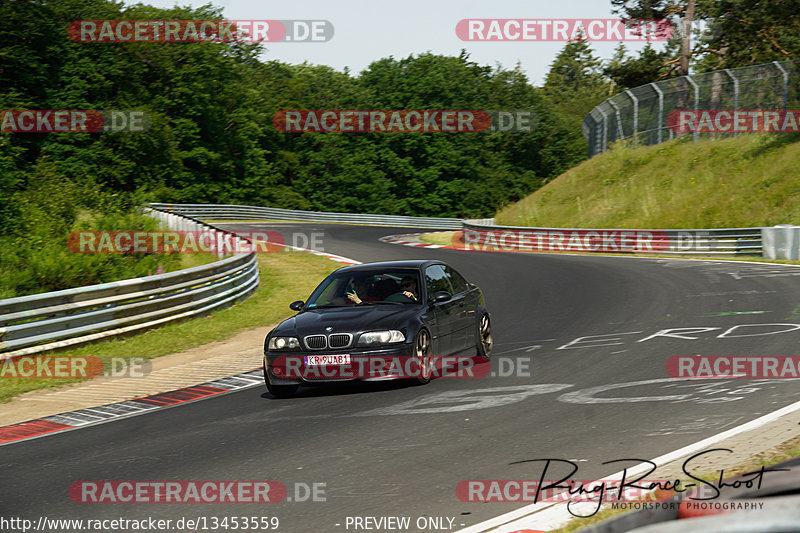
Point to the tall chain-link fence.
(642, 114)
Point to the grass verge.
(749, 180)
(285, 277)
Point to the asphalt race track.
(566, 323)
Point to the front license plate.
(317, 360)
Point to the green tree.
(573, 86)
(627, 72)
(750, 32)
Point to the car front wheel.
(485, 337)
(422, 354)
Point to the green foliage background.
(212, 138)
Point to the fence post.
(735, 94)
(695, 135)
(785, 84)
(597, 134)
(635, 114)
(604, 141)
(620, 133)
(660, 94)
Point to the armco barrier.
(744, 241)
(248, 212)
(31, 324)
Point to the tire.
(279, 391)
(422, 352)
(485, 337)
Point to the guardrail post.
(781, 242)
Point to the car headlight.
(283, 343)
(373, 338)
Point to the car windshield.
(363, 287)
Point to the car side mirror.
(297, 306)
(441, 296)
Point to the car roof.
(409, 263)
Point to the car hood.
(348, 319)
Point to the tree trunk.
(717, 83)
(686, 38)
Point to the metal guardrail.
(47, 321)
(734, 241)
(248, 212)
(40, 322)
(641, 113)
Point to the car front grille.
(316, 342)
(336, 340)
(340, 340)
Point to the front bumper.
(373, 364)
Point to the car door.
(445, 313)
(466, 303)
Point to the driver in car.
(408, 291)
(357, 291)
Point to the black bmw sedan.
(377, 321)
